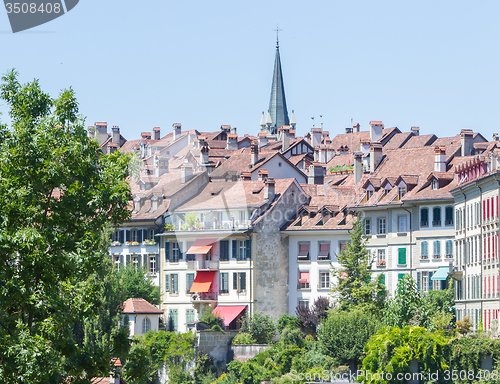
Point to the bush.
(464, 326)
(243, 338)
(213, 320)
(290, 321)
(292, 336)
(260, 326)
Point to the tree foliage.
(260, 326)
(311, 317)
(354, 287)
(406, 302)
(59, 194)
(137, 283)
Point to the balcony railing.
(204, 297)
(215, 224)
(195, 265)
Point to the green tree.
(260, 326)
(343, 335)
(406, 303)
(59, 194)
(137, 283)
(354, 287)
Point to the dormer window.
(402, 192)
(435, 184)
(369, 195)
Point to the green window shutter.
(402, 256)
(430, 281)
(382, 279)
(400, 276)
(224, 250)
(189, 281)
(127, 235)
(157, 263)
(235, 249)
(121, 236)
(180, 251)
(175, 283)
(248, 252)
(139, 235)
(243, 281)
(235, 280)
(167, 288)
(167, 251)
(419, 274)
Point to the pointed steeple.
(277, 103)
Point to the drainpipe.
(411, 239)
(465, 248)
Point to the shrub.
(290, 321)
(213, 320)
(243, 338)
(260, 326)
(292, 336)
(464, 326)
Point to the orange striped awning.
(203, 281)
(201, 247)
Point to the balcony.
(436, 223)
(204, 297)
(424, 224)
(200, 265)
(214, 224)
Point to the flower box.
(116, 244)
(381, 264)
(149, 242)
(132, 243)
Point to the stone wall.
(217, 345)
(245, 352)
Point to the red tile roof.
(140, 306)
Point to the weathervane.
(277, 31)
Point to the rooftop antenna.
(277, 31)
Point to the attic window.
(435, 184)
(402, 192)
(369, 194)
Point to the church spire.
(277, 102)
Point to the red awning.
(203, 281)
(324, 250)
(229, 312)
(303, 250)
(304, 278)
(201, 247)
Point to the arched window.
(436, 217)
(448, 216)
(424, 250)
(437, 249)
(146, 325)
(424, 217)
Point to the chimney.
(348, 130)
(186, 173)
(375, 155)
(204, 155)
(233, 130)
(285, 137)
(146, 135)
(262, 139)
(495, 137)
(101, 132)
(156, 131)
(269, 189)
(201, 142)
(415, 131)
(161, 165)
(316, 136)
(466, 136)
(365, 146)
(116, 135)
(177, 127)
(254, 153)
(263, 174)
(112, 147)
(358, 166)
(226, 128)
(376, 130)
(440, 159)
(232, 141)
(291, 133)
(246, 176)
(355, 127)
(316, 174)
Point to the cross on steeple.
(277, 31)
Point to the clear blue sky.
(433, 64)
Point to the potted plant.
(381, 263)
(169, 227)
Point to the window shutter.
(175, 283)
(128, 258)
(157, 263)
(484, 210)
(235, 249)
(167, 288)
(139, 235)
(121, 236)
(402, 256)
(127, 235)
(243, 281)
(419, 274)
(382, 279)
(145, 264)
(430, 281)
(167, 251)
(248, 252)
(180, 251)
(235, 280)
(224, 250)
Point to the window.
(436, 217)
(401, 223)
(424, 250)
(116, 236)
(136, 260)
(324, 251)
(189, 281)
(437, 249)
(448, 216)
(324, 279)
(146, 325)
(175, 253)
(174, 283)
(134, 234)
(189, 316)
(172, 320)
(368, 226)
(381, 257)
(449, 249)
(424, 282)
(303, 282)
(224, 250)
(424, 217)
(304, 303)
(151, 234)
(240, 281)
(303, 251)
(369, 195)
(402, 192)
(435, 184)
(224, 282)
(381, 226)
(401, 256)
(152, 265)
(242, 250)
(117, 261)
